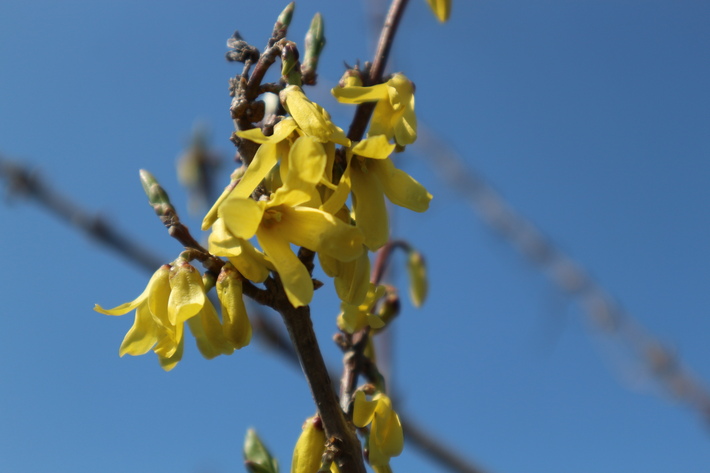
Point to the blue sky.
(591, 119)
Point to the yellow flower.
(284, 220)
(441, 8)
(354, 318)
(237, 327)
(308, 453)
(174, 295)
(313, 119)
(373, 175)
(386, 439)
(394, 113)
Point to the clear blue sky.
(591, 117)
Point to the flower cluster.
(175, 295)
(304, 184)
(296, 188)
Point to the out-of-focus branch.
(22, 181)
(566, 274)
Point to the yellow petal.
(235, 321)
(241, 216)
(187, 295)
(441, 8)
(375, 147)
(363, 410)
(307, 454)
(418, 285)
(353, 279)
(311, 117)
(209, 334)
(307, 161)
(242, 254)
(168, 363)
(401, 188)
(321, 232)
(295, 277)
(359, 94)
(264, 160)
(282, 130)
(212, 213)
(156, 280)
(142, 335)
(369, 205)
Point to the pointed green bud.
(257, 458)
(418, 285)
(157, 197)
(315, 42)
(282, 24)
(284, 18)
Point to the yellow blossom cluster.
(295, 192)
(175, 295)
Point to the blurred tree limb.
(24, 182)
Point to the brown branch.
(22, 181)
(337, 428)
(384, 45)
(414, 434)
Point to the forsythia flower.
(354, 318)
(386, 439)
(394, 113)
(308, 453)
(441, 8)
(174, 295)
(313, 119)
(283, 220)
(373, 176)
(237, 327)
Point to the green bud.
(257, 458)
(157, 197)
(315, 42)
(284, 18)
(282, 24)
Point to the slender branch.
(337, 428)
(24, 182)
(414, 434)
(384, 45)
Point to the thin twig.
(384, 45)
(22, 181)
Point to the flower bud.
(308, 453)
(418, 285)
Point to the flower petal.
(307, 161)
(168, 363)
(363, 410)
(241, 216)
(401, 188)
(321, 232)
(142, 336)
(295, 277)
(359, 94)
(235, 321)
(187, 295)
(375, 147)
(369, 205)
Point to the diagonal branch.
(567, 275)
